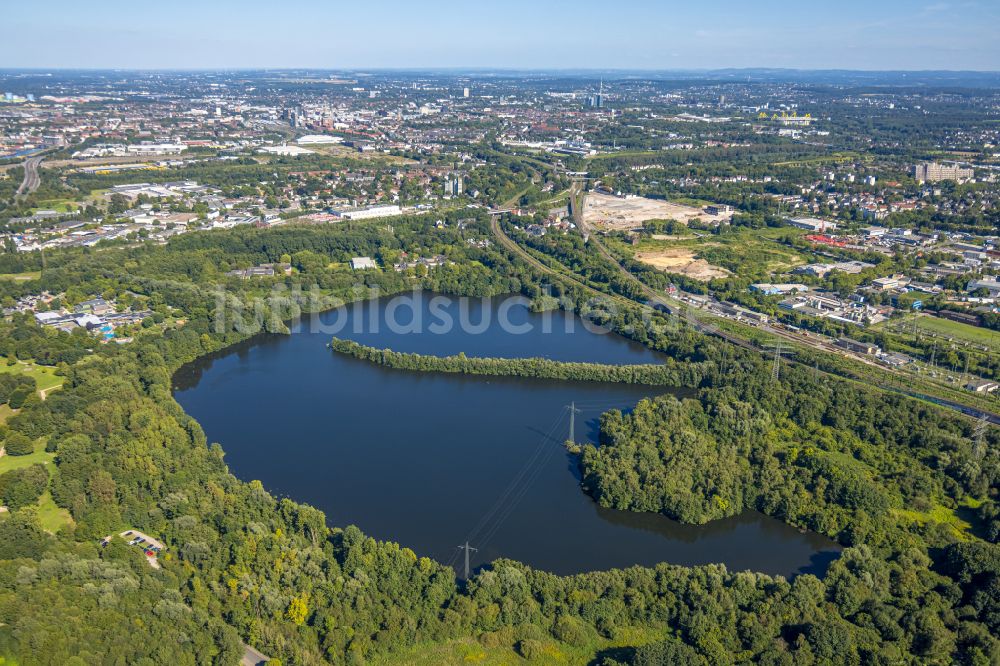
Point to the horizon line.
(490, 68)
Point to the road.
(31, 178)
(252, 657)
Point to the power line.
(600, 404)
(548, 451)
(512, 486)
(520, 491)
(451, 558)
(605, 405)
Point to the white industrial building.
(991, 284)
(286, 151)
(363, 264)
(312, 139)
(123, 150)
(368, 213)
(812, 224)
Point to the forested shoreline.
(669, 373)
(889, 477)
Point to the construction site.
(607, 212)
(682, 260)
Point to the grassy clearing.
(689, 201)
(5, 413)
(40, 456)
(836, 158)
(44, 375)
(957, 330)
(941, 515)
(848, 461)
(96, 196)
(59, 205)
(21, 277)
(751, 253)
(469, 651)
(340, 151)
(52, 518)
(622, 153)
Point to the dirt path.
(44, 393)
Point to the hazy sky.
(640, 34)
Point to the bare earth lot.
(603, 211)
(681, 260)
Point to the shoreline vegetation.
(243, 565)
(670, 373)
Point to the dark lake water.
(433, 460)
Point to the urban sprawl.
(801, 207)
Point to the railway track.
(670, 306)
(31, 178)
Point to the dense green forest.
(670, 373)
(907, 488)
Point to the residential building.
(932, 172)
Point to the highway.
(31, 178)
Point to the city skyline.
(388, 34)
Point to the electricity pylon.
(467, 549)
(573, 411)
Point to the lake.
(433, 460)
